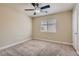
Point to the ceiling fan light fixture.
(37, 11)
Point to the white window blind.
(48, 26)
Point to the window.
(48, 26)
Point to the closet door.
(75, 28)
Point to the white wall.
(15, 26)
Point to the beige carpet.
(39, 48)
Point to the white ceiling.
(54, 8)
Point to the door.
(75, 28)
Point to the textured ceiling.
(54, 8)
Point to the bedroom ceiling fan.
(37, 8)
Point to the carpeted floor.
(39, 48)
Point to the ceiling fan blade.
(34, 13)
(45, 7)
(35, 4)
(29, 9)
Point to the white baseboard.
(10, 45)
(66, 43)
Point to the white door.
(75, 28)
(78, 27)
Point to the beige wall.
(63, 33)
(15, 26)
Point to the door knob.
(75, 33)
